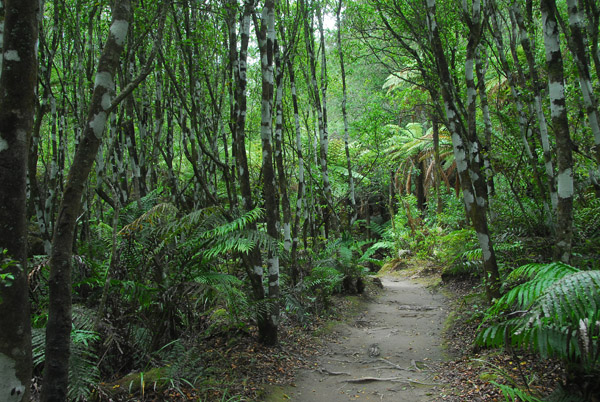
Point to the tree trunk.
(487, 121)
(18, 81)
(592, 11)
(560, 123)
(352, 194)
(300, 201)
(528, 49)
(521, 108)
(436, 156)
(268, 320)
(253, 262)
(578, 45)
(58, 329)
(329, 215)
(282, 178)
(474, 204)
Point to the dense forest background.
(195, 169)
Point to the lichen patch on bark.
(11, 388)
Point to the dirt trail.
(388, 353)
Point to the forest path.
(387, 353)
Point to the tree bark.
(281, 175)
(521, 108)
(329, 215)
(528, 49)
(268, 320)
(487, 121)
(58, 329)
(253, 261)
(560, 123)
(300, 201)
(352, 195)
(578, 46)
(463, 146)
(18, 82)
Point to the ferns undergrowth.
(553, 311)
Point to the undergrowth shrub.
(553, 311)
(587, 234)
(83, 369)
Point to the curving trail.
(388, 353)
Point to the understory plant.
(553, 311)
(340, 267)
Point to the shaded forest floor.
(324, 352)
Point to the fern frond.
(236, 225)
(217, 279)
(380, 229)
(560, 316)
(473, 255)
(157, 213)
(135, 209)
(83, 371)
(538, 277)
(553, 270)
(512, 393)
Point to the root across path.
(387, 353)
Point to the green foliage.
(587, 233)
(453, 215)
(554, 313)
(535, 279)
(174, 277)
(132, 211)
(6, 278)
(313, 294)
(345, 256)
(512, 393)
(83, 370)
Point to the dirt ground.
(389, 352)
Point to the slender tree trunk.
(487, 121)
(436, 156)
(560, 123)
(266, 41)
(253, 261)
(592, 11)
(233, 66)
(473, 18)
(475, 205)
(528, 49)
(300, 201)
(58, 329)
(332, 218)
(319, 111)
(578, 46)
(282, 178)
(352, 195)
(521, 108)
(18, 82)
